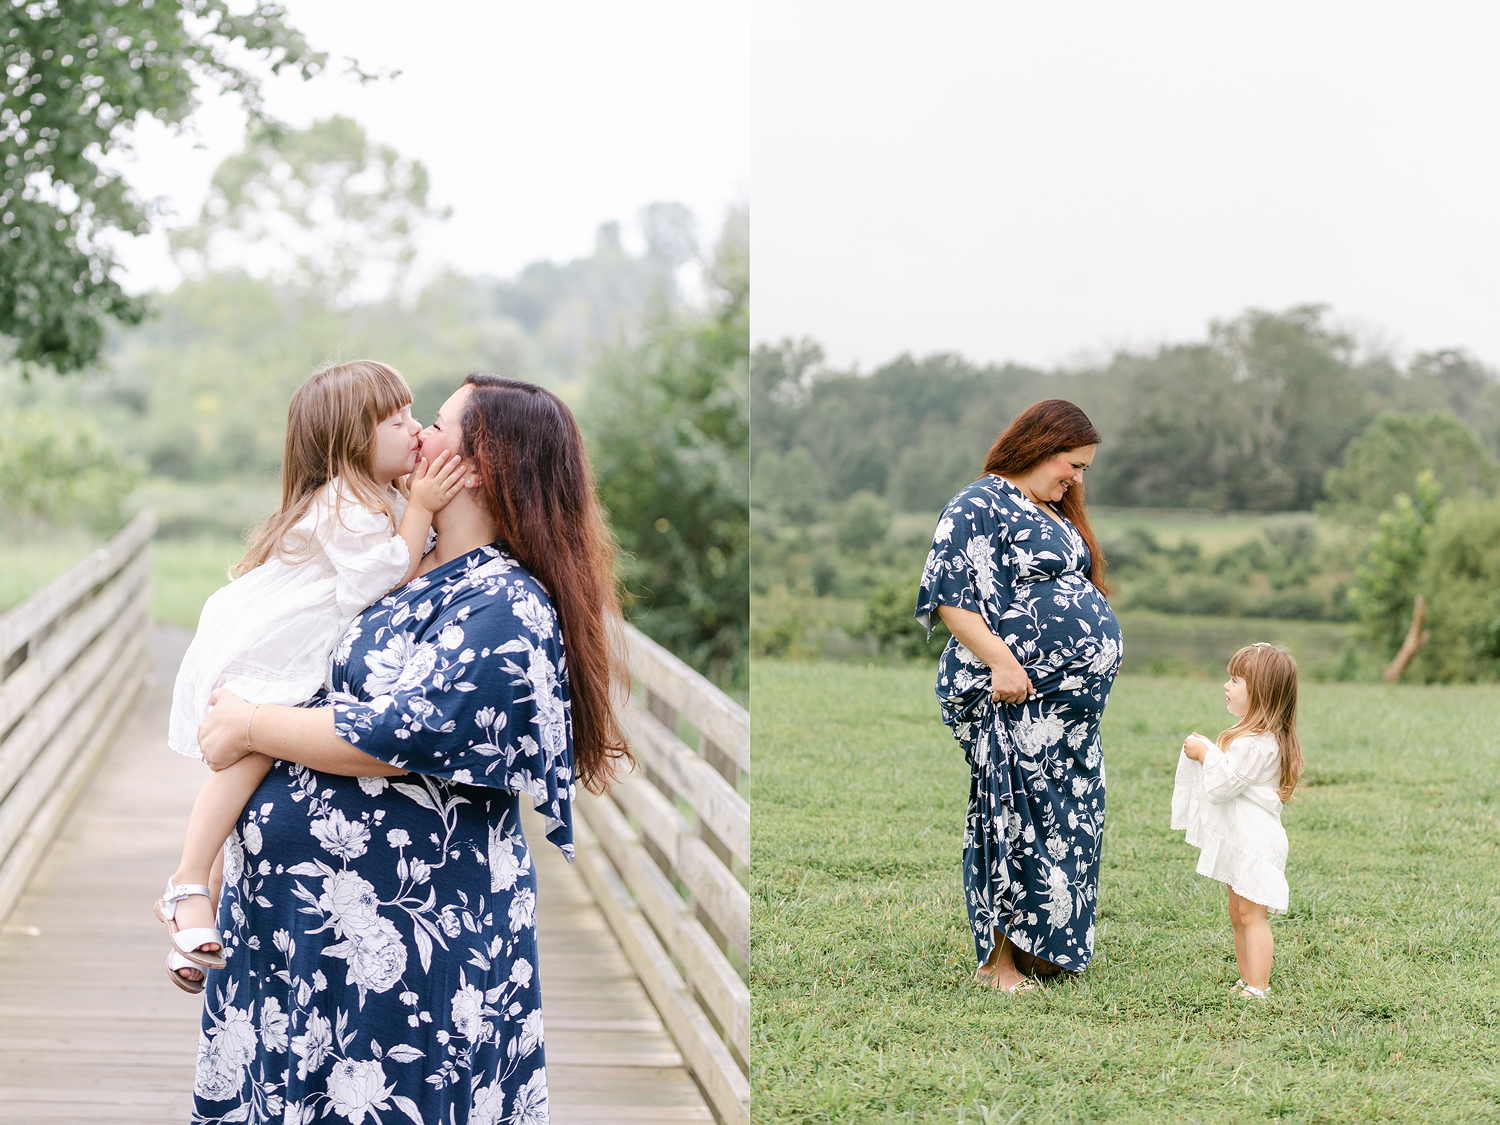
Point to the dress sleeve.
(1228, 774)
(479, 695)
(368, 557)
(966, 567)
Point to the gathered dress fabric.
(380, 933)
(1036, 794)
(267, 635)
(1231, 808)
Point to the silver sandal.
(189, 942)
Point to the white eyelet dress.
(269, 635)
(1230, 808)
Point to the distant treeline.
(1252, 418)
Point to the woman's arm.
(304, 735)
(1009, 682)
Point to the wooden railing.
(667, 853)
(71, 659)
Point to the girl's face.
(1237, 697)
(444, 433)
(396, 446)
(1051, 479)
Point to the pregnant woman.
(379, 899)
(1016, 575)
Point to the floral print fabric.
(1036, 795)
(381, 932)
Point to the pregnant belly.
(1078, 643)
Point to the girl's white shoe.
(1249, 991)
(189, 943)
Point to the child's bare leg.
(1253, 931)
(215, 813)
(1239, 932)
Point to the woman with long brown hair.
(379, 899)
(1017, 576)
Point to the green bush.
(1460, 578)
(60, 468)
(1384, 587)
(864, 523)
(888, 618)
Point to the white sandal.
(175, 962)
(189, 942)
(1249, 991)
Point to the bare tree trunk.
(1415, 639)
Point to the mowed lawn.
(1387, 975)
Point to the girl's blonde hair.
(1270, 675)
(330, 432)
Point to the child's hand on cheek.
(1195, 746)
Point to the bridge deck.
(91, 1030)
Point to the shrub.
(59, 467)
(864, 524)
(1460, 578)
(888, 618)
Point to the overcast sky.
(1041, 182)
(537, 121)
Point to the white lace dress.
(268, 635)
(1230, 808)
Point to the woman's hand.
(222, 734)
(1195, 746)
(432, 485)
(1009, 682)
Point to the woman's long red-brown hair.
(1044, 430)
(528, 452)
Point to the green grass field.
(1387, 972)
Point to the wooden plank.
(710, 1061)
(688, 692)
(713, 886)
(716, 803)
(23, 856)
(31, 679)
(26, 787)
(704, 964)
(34, 615)
(28, 736)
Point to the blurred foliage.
(1252, 418)
(1386, 459)
(1462, 571)
(668, 427)
(61, 469)
(888, 619)
(77, 75)
(1385, 582)
(340, 214)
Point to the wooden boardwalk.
(91, 1030)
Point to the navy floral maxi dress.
(381, 932)
(1036, 794)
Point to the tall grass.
(1386, 979)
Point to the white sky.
(537, 121)
(1041, 182)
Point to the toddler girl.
(344, 536)
(1229, 796)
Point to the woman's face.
(445, 432)
(1051, 479)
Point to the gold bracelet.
(248, 721)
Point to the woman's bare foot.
(995, 976)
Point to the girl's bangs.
(388, 390)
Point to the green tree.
(60, 468)
(1461, 580)
(669, 431)
(76, 77)
(1388, 456)
(1384, 589)
(792, 486)
(341, 211)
